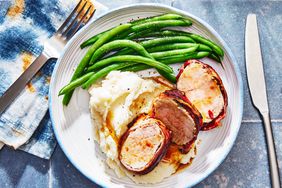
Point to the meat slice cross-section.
(144, 144)
(179, 116)
(204, 89)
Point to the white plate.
(72, 124)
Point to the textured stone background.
(246, 165)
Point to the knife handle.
(15, 89)
(274, 171)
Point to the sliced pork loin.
(144, 144)
(204, 89)
(179, 116)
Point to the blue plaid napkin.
(24, 25)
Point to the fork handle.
(274, 172)
(15, 89)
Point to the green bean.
(158, 41)
(175, 33)
(85, 60)
(103, 72)
(91, 40)
(165, 40)
(158, 55)
(154, 25)
(141, 34)
(217, 49)
(169, 76)
(147, 32)
(209, 43)
(141, 50)
(155, 33)
(119, 44)
(139, 67)
(101, 51)
(130, 58)
(123, 35)
(195, 37)
(136, 68)
(176, 46)
(215, 57)
(74, 84)
(160, 24)
(157, 18)
(151, 32)
(150, 26)
(103, 39)
(168, 61)
(172, 60)
(133, 45)
(67, 98)
(181, 58)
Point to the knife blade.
(254, 65)
(257, 86)
(18, 86)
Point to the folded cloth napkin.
(24, 25)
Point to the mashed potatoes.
(114, 103)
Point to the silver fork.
(53, 47)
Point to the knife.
(256, 81)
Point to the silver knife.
(256, 81)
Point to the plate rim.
(213, 32)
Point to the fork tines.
(83, 12)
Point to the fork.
(53, 47)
